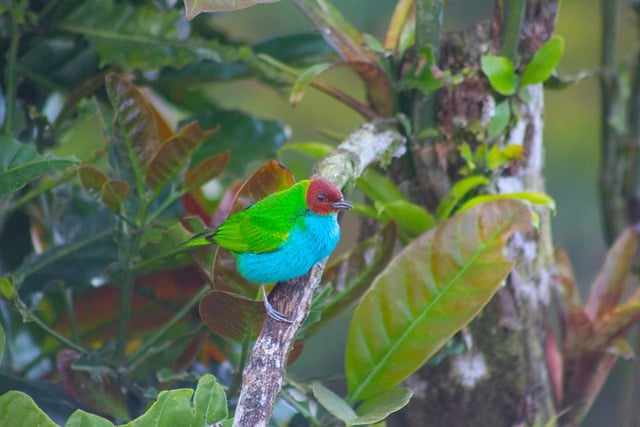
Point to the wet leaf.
(21, 163)
(609, 284)
(433, 287)
(232, 316)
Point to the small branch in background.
(610, 167)
(263, 375)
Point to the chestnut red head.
(324, 198)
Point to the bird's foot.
(272, 312)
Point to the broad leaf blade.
(381, 405)
(81, 418)
(19, 410)
(435, 286)
(141, 124)
(501, 73)
(232, 316)
(209, 401)
(334, 404)
(543, 62)
(21, 163)
(172, 408)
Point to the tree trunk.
(501, 378)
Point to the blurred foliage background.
(572, 134)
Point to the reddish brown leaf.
(232, 316)
(208, 169)
(173, 154)
(226, 276)
(608, 285)
(270, 178)
(92, 179)
(225, 205)
(114, 192)
(143, 126)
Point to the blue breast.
(312, 239)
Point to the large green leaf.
(142, 37)
(434, 287)
(210, 402)
(172, 408)
(501, 73)
(81, 418)
(19, 410)
(21, 163)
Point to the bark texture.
(501, 379)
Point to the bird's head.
(324, 198)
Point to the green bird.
(283, 235)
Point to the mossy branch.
(262, 378)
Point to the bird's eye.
(322, 197)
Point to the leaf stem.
(129, 240)
(28, 316)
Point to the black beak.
(340, 205)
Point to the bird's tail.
(204, 238)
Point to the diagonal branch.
(262, 378)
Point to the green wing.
(264, 226)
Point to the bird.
(281, 236)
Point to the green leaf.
(315, 150)
(501, 73)
(172, 408)
(433, 287)
(173, 155)
(304, 80)
(195, 7)
(459, 191)
(411, 218)
(21, 163)
(19, 410)
(334, 404)
(378, 187)
(527, 196)
(544, 61)
(144, 37)
(210, 402)
(371, 411)
(3, 341)
(7, 289)
(381, 405)
(500, 119)
(81, 418)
